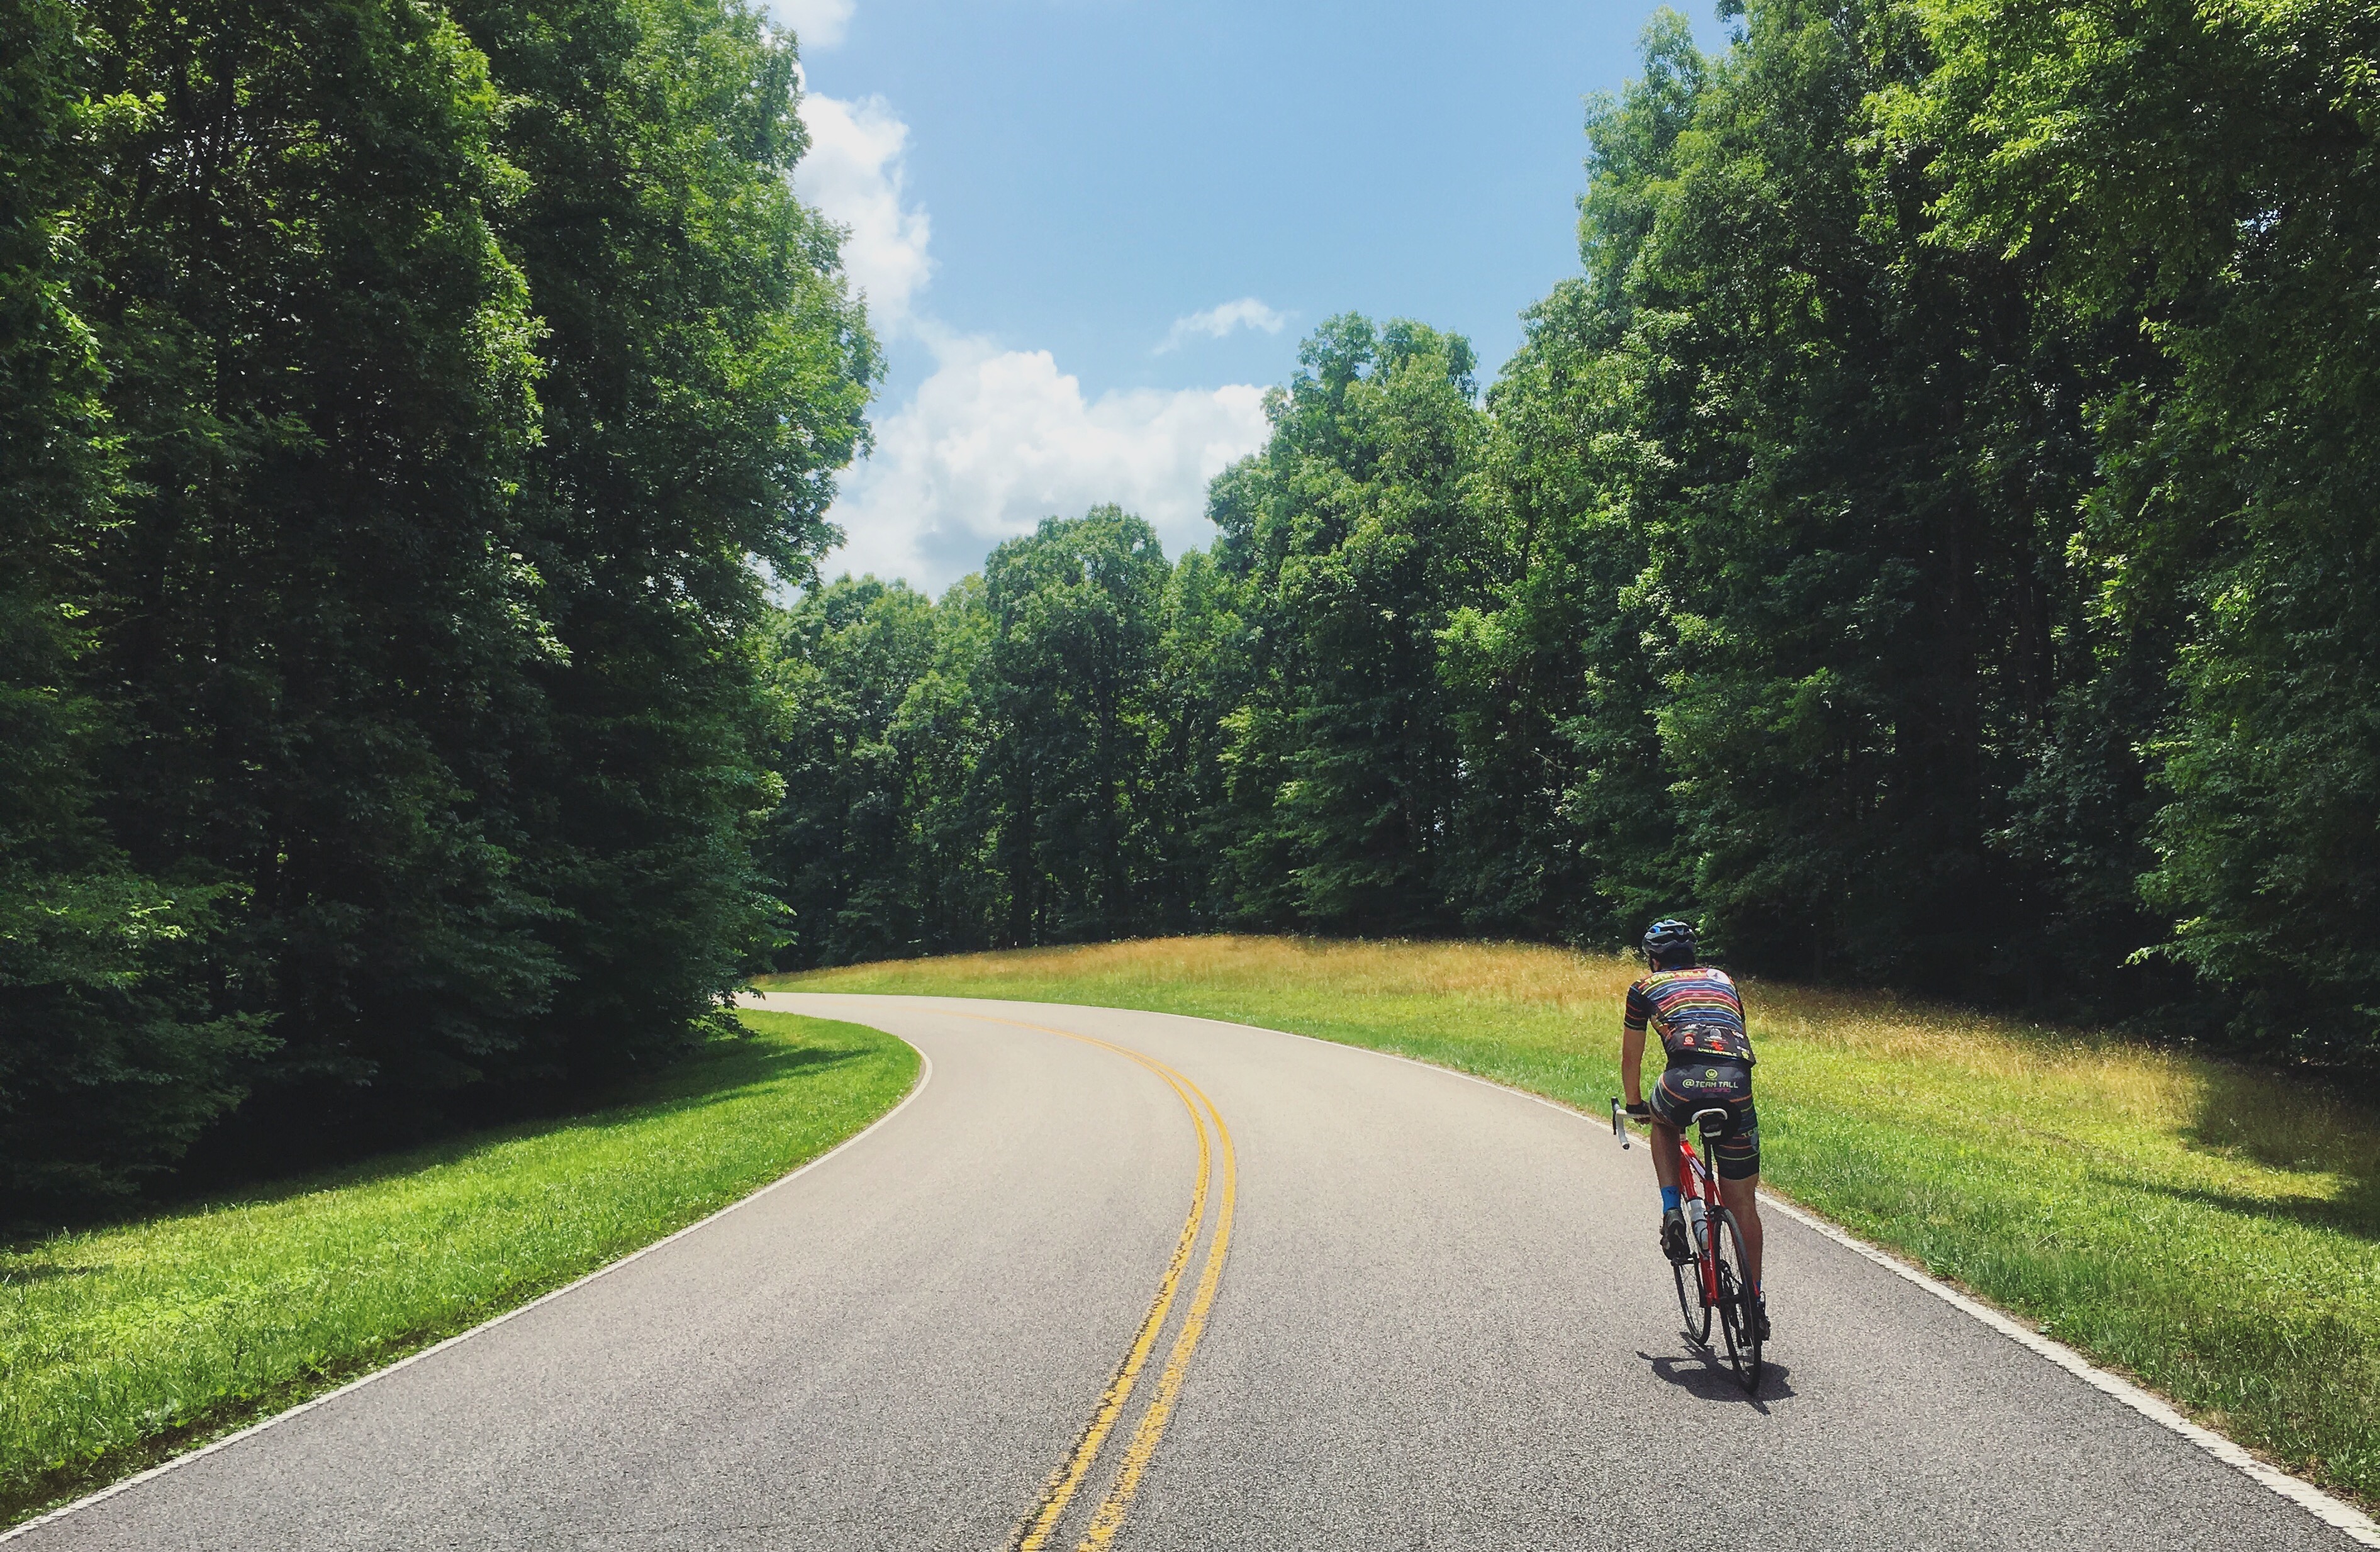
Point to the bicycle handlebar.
(1620, 1118)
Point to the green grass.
(2212, 1230)
(122, 1344)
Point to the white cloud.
(995, 441)
(817, 24)
(1221, 319)
(854, 175)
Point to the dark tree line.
(393, 399)
(1933, 541)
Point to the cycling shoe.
(1673, 1237)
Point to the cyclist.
(1699, 1016)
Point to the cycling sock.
(1670, 1198)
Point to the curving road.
(1402, 1310)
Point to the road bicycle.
(1712, 1283)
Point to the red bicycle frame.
(1695, 1183)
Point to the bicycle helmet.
(1670, 943)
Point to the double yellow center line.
(1218, 1185)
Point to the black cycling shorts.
(1690, 1086)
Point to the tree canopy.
(1931, 543)
(396, 400)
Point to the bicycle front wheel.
(1696, 1313)
(1739, 1322)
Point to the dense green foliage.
(395, 398)
(1933, 541)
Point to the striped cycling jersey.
(1695, 1011)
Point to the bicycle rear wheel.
(1738, 1322)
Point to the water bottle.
(1695, 1227)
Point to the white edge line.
(2343, 1517)
(2340, 1516)
(925, 1075)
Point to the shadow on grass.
(2294, 1123)
(45, 1271)
(722, 1071)
(719, 1072)
(2355, 1211)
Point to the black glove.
(1639, 1110)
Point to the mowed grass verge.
(2212, 1230)
(122, 1344)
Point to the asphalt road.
(1438, 1320)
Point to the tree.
(2227, 211)
(703, 373)
(1920, 521)
(1868, 449)
(1352, 531)
(1567, 829)
(354, 693)
(309, 608)
(1203, 671)
(1074, 615)
(110, 1062)
(843, 849)
(988, 769)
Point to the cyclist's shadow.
(1706, 1380)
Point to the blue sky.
(1091, 231)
